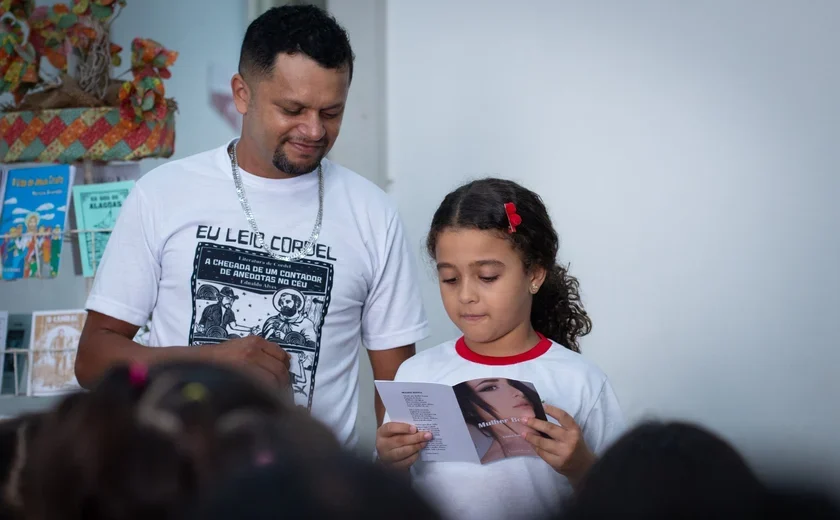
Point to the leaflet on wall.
(33, 220)
(55, 340)
(97, 208)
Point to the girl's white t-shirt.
(518, 487)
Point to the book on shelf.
(97, 207)
(16, 364)
(33, 220)
(4, 328)
(54, 342)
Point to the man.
(218, 320)
(265, 217)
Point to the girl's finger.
(406, 451)
(552, 459)
(565, 420)
(552, 430)
(407, 463)
(550, 446)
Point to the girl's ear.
(537, 279)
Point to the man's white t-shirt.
(183, 252)
(517, 487)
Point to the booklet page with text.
(476, 421)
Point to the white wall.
(688, 153)
(362, 144)
(203, 33)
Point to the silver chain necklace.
(309, 247)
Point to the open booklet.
(476, 421)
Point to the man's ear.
(242, 93)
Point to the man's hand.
(107, 341)
(263, 358)
(399, 444)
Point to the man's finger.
(262, 373)
(277, 353)
(277, 368)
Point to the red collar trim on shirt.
(538, 350)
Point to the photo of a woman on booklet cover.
(492, 408)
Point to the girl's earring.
(534, 288)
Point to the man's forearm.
(380, 409)
(385, 364)
(105, 349)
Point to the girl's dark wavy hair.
(557, 311)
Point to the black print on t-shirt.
(237, 292)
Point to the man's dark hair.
(294, 29)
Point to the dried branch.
(94, 71)
(118, 9)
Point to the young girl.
(521, 317)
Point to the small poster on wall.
(55, 340)
(33, 220)
(97, 207)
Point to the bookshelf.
(41, 290)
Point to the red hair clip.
(513, 217)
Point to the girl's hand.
(565, 451)
(399, 444)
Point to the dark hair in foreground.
(668, 470)
(470, 401)
(557, 311)
(143, 449)
(339, 487)
(801, 504)
(294, 29)
(17, 436)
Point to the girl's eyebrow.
(481, 263)
(477, 263)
